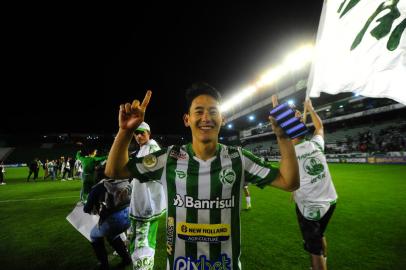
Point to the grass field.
(367, 231)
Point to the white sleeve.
(319, 141)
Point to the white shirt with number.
(317, 191)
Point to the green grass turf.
(367, 230)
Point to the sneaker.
(248, 207)
(63, 180)
(3, 183)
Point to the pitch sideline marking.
(39, 199)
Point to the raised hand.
(275, 127)
(308, 105)
(274, 101)
(132, 115)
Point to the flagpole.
(310, 79)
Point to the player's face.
(142, 137)
(204, 119)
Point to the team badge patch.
(149, 161)
(227, 176)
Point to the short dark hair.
(200, 88)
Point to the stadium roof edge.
(299, 86)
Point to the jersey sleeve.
(257, 171)
(102, 158)
(79, 155)
(149, 167)
(318, 141)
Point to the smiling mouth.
(206, 127)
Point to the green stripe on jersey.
(215, 193)
(149, 167)
(192, 189)
(257, 171)
(235, 211)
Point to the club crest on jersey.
(227, 176)
(149, 161)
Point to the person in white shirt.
(146, 206)
(316, 198)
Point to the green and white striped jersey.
(204, 202)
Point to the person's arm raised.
(318, 124)
(129, 118)
(288, 177)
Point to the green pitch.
(367, 231)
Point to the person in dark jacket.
(110, 199)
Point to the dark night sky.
(69, 71)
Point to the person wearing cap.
(146, 206)
(89, 163)
(316, 198)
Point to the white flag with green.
(361, 48)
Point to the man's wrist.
(126, 133)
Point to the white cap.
(144, 127)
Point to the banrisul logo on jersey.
(227, 176)
(188, 263)
(190, 202)
(212, 233)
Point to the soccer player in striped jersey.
(202, 180)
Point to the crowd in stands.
(387, 140)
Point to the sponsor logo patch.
(170, 228)
(180, 174)
(188, 263)
(190, 202)
(212, 233)
(177, 155)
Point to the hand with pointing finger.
(132, 115)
